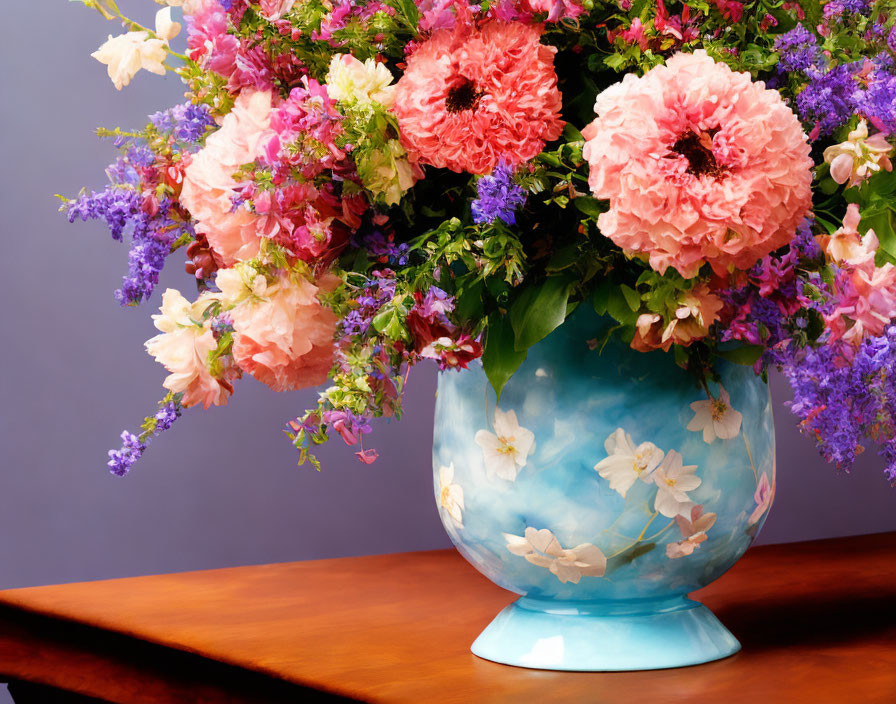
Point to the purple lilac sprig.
(133, 446)
(879, 101)
(498, 197)
(370, 299)
(831, 97)
(846, 397)
(187, 123)
(797, 49)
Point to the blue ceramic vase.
(603, 487)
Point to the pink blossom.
(283, 335)
(700, 165)
(209, 187)
(555, 9)
(472, 96)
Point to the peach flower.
(470, 97)
(694, 313)
(183, 348)
(700, 164)
(283, 336)
(209, 185)
(846, 243)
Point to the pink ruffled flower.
(700, 165)
(209, 187)
(472, 96)
(283, 336)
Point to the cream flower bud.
(126, 54)
(166, 28)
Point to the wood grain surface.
(817, 621)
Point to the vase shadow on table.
(838, 618)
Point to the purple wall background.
(222, 488)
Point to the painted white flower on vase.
(673, 480)
(716, 418)
(693, 532)
(451, 495)
(507, 449)
(541, 548)
(625, 463)
(765, 494)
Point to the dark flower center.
(462, 96)
(697, 149)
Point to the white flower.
(627, 463)
(859, 157)
(506, 451)
(349, 80)
(674, 480)
(126, 54)
(166, 28)
(451, 495)
(716, 418)
(693, 531)
(541, 548)
(183, 348)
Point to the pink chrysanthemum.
(472, 96)
(700, 164)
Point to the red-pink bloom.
(700, 165)
(471, 96)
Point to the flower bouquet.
(360, 185)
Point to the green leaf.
(588, 206)
(601, 297)
(539, 310)
(745, 354)
(631, 297)
(468, 305)
(500, 359)
(619, 308)
(884, 226)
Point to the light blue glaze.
(572, 399)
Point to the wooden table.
(817, 621)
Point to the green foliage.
(539, 310)
(500, 358)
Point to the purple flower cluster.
(498, 197)
(133, 446)
(847, 397)
(837, 8)
(797, 50)
(151, 234)
(831, 97)
(372, 297)
(383, 248)
(879, 102)
(187, 123)
(119, 207)
(121, 461)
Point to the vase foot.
(652, 635)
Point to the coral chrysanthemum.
(472, 96)
(700, 165)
